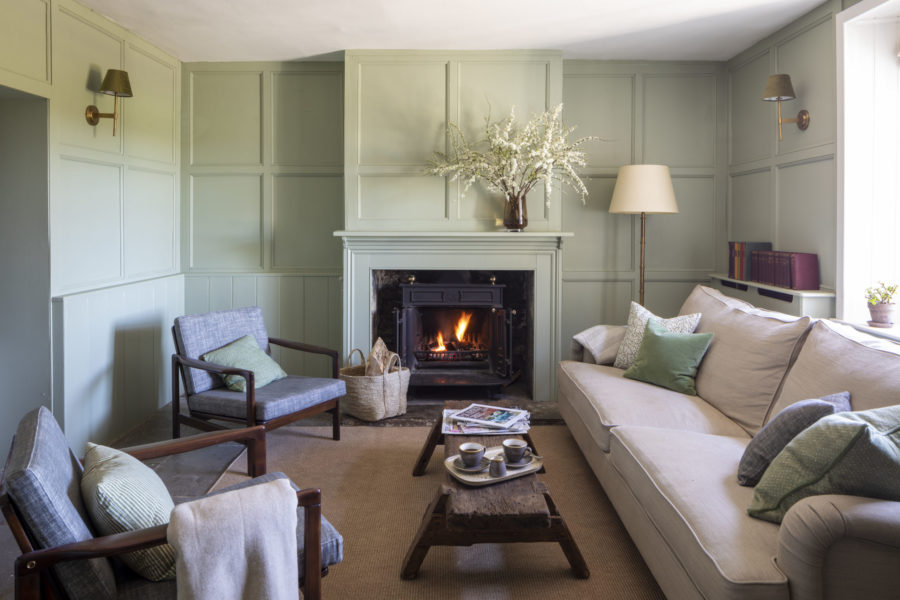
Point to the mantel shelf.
(455, 234)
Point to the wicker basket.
(374, 397)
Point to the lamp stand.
(643, 232)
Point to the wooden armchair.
(61, 559)
(276, 404)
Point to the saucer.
(458, 464)
(526, 460)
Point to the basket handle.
(394, 358)
(362, 357)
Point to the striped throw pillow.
(123, 494)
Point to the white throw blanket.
(239, 545)
(601, 342)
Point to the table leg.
(433, 522)
(567, 542)
(435, 437)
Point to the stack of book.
(739, 258)
(795, 270)
(481, 419)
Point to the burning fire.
(461, 326)
(460, 330)
(440, 343)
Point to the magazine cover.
(452, 427)
(490, 416)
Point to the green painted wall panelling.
(785, 192)
(25, 45)
(263, 166)
(667, 113)
(397, 106)
(113, 218)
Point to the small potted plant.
(881, 304)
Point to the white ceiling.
(277, 30)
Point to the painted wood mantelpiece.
(366, 251)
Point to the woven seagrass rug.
(371, 497)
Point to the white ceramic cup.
(471, 454)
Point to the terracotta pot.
(882, 314)
(515, 213)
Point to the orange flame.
(461, 325)
(440, 341)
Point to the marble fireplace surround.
(539, 251)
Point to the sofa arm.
(597, 345)
(848, 546)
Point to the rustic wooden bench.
(519, 510)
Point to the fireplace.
(455, 334)
(456, 328)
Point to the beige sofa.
(668, 461)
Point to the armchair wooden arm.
(29, 566)
(303, 347)
(253, 437)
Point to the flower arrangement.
(881, 293)
(512, 160)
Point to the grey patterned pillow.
(779, 432)
(637, 324)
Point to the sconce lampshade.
(779, 87)
(643, 189)
(116, 83)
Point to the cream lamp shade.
(643, 189)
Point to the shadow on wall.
(138, 375)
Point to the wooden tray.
(485, 477)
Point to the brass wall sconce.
(116, 84)
(779, 88)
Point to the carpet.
(369, 494)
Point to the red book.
(804, 271)
(783, 269)
(768, 268)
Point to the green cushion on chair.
(245, 353)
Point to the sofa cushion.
(854, 453)
(838, 357)
(669, 359)
(779, 432)
(638, 317)
(748, 357)
(685, 483)
(603, 399)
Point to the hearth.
(455, 334)
(457, 329)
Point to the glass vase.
(515, 213)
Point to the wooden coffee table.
(519, 510)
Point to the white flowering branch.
(515, 160)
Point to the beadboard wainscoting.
(539, 252)
(111, 349)
(305, 308)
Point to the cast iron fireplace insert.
(455, 334)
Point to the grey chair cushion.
(195, 335)
(277, 399)
(43, 479)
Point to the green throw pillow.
(855, 453)
(669, 359)
(245, 353)
(122, 494)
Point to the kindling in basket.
(375, 397)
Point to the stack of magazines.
(481, 419)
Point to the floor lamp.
(642, 189)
